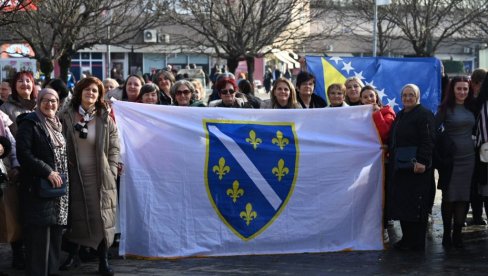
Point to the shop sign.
(17, 50)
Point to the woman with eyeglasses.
(41, 151)
(409, 189)
(456, 116)
(93, 154)
(353, 89)
(184, 94)
(227, 89)
(283, 96)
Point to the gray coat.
(107, 148)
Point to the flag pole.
(375, 23)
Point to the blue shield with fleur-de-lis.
(250, 172)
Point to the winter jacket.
(13, 109)
(36, 157)
(409, 192)
(107, 152)
(383, 120)
(315, 102)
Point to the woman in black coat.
(41, 151)
(305, 91)
(410, 187)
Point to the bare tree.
(8, 9)
(479, 30)
(427, 23)
(241, 29)
(424, 24)
(59, 28)
(358, 18)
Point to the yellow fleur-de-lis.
(281, 170)
(280, 140)
(221, 169)
(235, 192)
(249, 214)
(253, 140)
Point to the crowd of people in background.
(69, 137)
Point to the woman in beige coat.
(93, 154)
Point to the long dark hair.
(124, 87)
(450, 98)
(369, 87)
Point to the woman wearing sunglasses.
(227, 88)
(184, 94)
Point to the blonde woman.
(353, 90)
(283, 96)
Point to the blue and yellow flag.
(387, 75)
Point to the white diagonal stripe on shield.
(248, 167)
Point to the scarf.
(86, 117)
(28, 104)
(51, 124)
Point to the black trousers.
(414, 233)
(43, 248)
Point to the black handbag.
(444, 149)
(46, 190)
(405, 157)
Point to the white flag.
(224, 181)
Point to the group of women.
(76, 152)
(165, 90)
(77, 147)
(414, 133)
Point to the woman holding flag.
(383, 116)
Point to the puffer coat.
(107, 152)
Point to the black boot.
(457, 240)
(73, 261)
(103, 267)
(446, 236)
(446, 211)
(18, 255)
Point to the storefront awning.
(286, 57)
